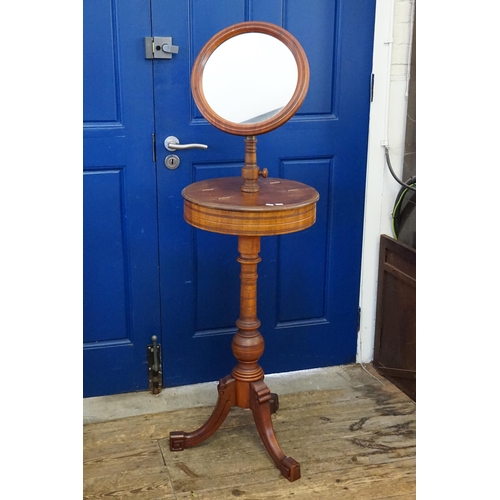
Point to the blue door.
(147, 272)
(121, 290)
(308, 285)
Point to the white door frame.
(394, 21)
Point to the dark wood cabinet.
(395, 329)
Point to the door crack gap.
(162, 455)
(168, 470)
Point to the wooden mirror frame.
(250, 129)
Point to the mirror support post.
(250, 170)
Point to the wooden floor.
(353, 442)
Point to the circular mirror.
(250, 78)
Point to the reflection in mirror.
(249, 78)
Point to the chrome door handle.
(172, 144)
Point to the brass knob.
(264, 172)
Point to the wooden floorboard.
(355, 442)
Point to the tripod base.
(253, 395)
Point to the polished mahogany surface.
(281, 206)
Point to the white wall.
(391, 58)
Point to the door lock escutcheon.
(159, 47)
(172, 162)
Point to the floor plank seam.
(168, 470)
(161, 451)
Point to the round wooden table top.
(281, 206)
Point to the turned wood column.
(250, 171)
(248, 343)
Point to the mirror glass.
(249, 78)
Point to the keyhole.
(172, 162)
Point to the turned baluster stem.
(248, 343)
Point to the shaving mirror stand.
(249, 207)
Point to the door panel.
(309, 281)
(121, 290)
(310, 277)
(105, 242)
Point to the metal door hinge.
(159, 47)
(359, 319)
(372, 86)
(154, 366)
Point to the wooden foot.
(179, 440)
(260, 404)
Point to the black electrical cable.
(404, 184)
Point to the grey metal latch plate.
(159, 47)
